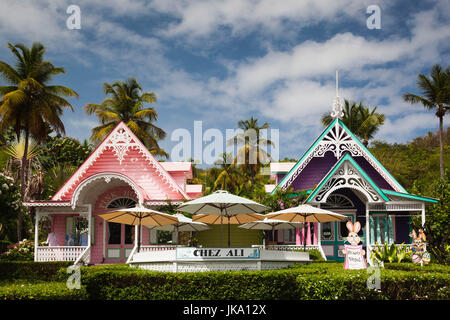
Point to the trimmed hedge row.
(292, 284)
(314, 281)
(43, 271)
(40, 291)
(432, 267)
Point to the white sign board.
(192, 253)
(354, 258)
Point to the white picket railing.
(59, 253)
(85, 257)
(380, 246)
(158, 247)
(290, 247)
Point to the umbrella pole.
(221, 228)
(139, 237)
(304, 236)
(229, 243)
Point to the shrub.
(21, 251)
(317, 281)
(40, 291)
(44, 271)
(431, 267)
(391, 253)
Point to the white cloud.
(200, 18)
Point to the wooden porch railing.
(60, 253)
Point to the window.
(381, 229)
(114, 230)
(338, 201)
(327, 231)
(76, 231)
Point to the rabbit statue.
(419, 254)
(354, 253)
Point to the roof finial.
(337, 105)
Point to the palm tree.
(228, 176)
(350, 119)
(360, 120)
(127, 104)
(371, 121)
(251, 142)
(435, 95)
(29, 104)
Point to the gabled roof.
(339, 139)
(121, 140)
(337, 166)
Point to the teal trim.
(346, 157)
(294, 168)
(410, 196)
(113, 249)
(370, 154)
(295, 194)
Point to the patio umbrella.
(306, 213)
(224, 205)
(138, 216)
(184, 224)
(271, 224)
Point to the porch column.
(36, 233)
(423, 213)
(308, 234)
(89, 224)
(315, 224)
(368, 249)
(297, 236)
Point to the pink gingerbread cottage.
(119, 173)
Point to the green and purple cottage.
(339, 173)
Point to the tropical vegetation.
(29, 104)
(127, 103)
(435, 96)
(359, 119)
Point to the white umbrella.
(271, 224)
(138, 216)
(306, 213)
(224, 204)
(184, 224)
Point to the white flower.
(5, 186)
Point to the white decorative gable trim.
(337, 139)
(107, 178)
(121, 140)
(347, 176)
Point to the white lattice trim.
(347, 176)
(107, 177)
(338, 141)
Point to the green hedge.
(40, 291)
(44, 271)
(431, 267)
(307, 283)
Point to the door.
(119, 242)
(333, 236)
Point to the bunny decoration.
(419, 254)
(354, 253)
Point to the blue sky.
(223, 61)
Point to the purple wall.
(372, 173)
(314, 172)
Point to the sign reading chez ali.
(217, 253)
